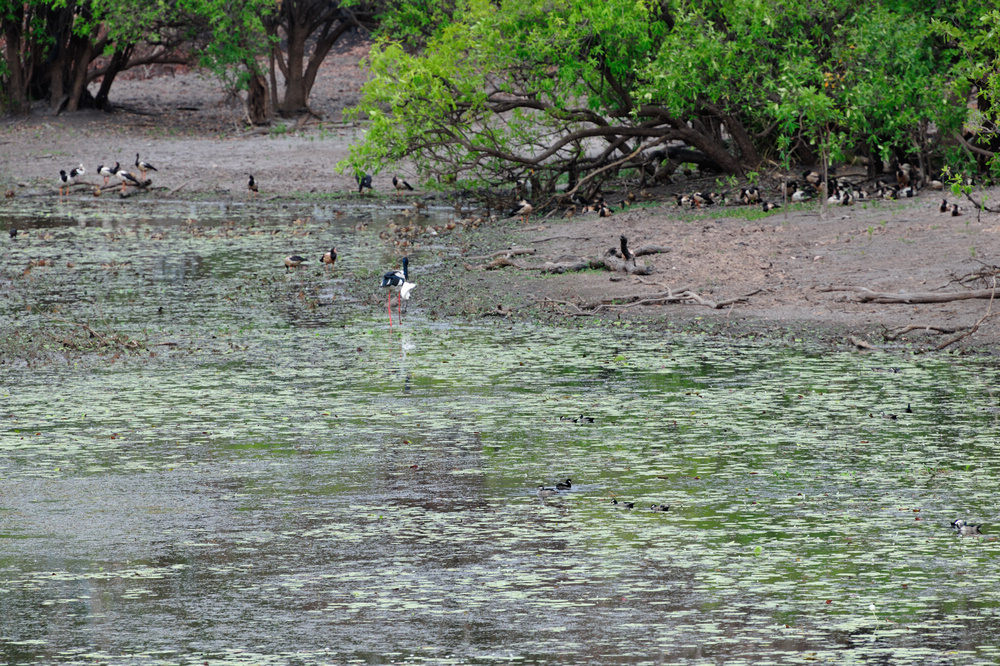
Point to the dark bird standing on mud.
(627, 254)
(252, 185)
(363, 182)
(398, 282)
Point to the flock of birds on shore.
(909, 182)
(124, 176)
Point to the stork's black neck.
(406, 272)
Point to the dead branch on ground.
(869, 296)
(515, 252)
(669, 296)
(975, 327)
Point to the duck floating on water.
(965, 528)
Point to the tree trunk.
(15, 96)
(296, 96)
(118, 61)
(257, 99)
(82, 55)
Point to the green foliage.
(238, 37)
(559, 86)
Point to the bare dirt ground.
(182, 122)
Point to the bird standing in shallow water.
(330, 258)
(397, 281)
(293, 261)
(63, 182)
(143, 167)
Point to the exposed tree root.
(504, 253)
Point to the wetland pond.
(275, 476)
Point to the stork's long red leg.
(390, 308)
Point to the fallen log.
(515, 252)
(870, 296)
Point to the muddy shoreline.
(789, 262)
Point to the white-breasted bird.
(398, 282)
(401, 184)
(522, 209)
(143, 167)
(126, 178)
(107, 172)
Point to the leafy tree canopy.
(581, 89)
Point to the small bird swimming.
(659, 507)
(363, 181)
(252, 185)
(584, 419)
(966, 529)
(398, 281)
(546, 492)
(143, 167)
(564, 485)
(293, 261)
(401, 184)
(627, 505)
(329, 259)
